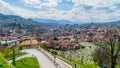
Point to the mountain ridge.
(14, 21)
(50, 21)
(19, 22)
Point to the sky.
(72, 10)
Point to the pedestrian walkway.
(45, 59)
(44, 62)
(60, 63)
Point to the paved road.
(42, 59)
(44, 62)
(61, 63)
(27, 55)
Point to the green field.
(7, 52)
(78, 63)
(29, 62)
(4, 63)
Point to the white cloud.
(40, 3)
(51, 3)
(31, 2)
(101, 10)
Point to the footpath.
(56, 61)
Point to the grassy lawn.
(78, 63)
(4, 63)
(7, 52)
(29, 62)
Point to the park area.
(3, 63)
(28, 62)
(85, 57)
(81, 57)
(6, 54)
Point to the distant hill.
(16, 22)
(113, 23)
(12, 21)
(49, 21)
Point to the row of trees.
(108, 54)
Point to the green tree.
(13, 58)
(112, 46)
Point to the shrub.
(20, 47)
(54, 52)
(82, 47)
(4, 63)
(45, 47)
(101, 56)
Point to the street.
(42, 59)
